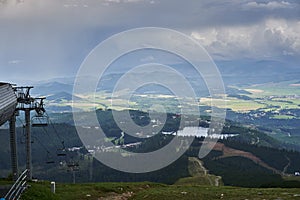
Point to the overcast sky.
(41, 39)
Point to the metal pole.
(28, 144)
(53, 187)
(13, 147)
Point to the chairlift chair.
(73, 165)
(61, 152)
(39, 121)
(50, 162)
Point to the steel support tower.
(13, 147)
(26, 103)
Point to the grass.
(199, 186)
(291, 178)
(211, 193)
(39, 191)
(273, 89)
(152, 191)
(280, 104)
(5, 182)
(94, 191)
(88, 191)
(237, 105)
(283, 117)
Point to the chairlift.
(61, 152)
(73, 165)
(39, 121)
(50, 162)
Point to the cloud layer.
(269, 39)
(52, 37)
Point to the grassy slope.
(136, 191)
(201, 185)
(199, 175)
(207, 193)
(38, 191)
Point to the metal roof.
(8, 102)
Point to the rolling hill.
(62, 96)
(231, 158)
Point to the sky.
(43, 39)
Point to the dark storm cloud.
(52, 37)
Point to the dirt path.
(196, 160)
(213, 180)
(230, 152)
(286, 167)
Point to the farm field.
(268, 97)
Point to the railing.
(18, 187)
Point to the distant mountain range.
(52, 88)
(246, 72)
(57, 97)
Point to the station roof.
(8, 102)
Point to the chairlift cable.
(56, 132)
(48, 156)
(45, 148)
(60, 151)
(47, 133)
(22, 123)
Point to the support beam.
(13, 147)
(28, 144)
